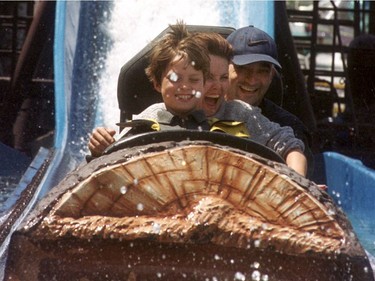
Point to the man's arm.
(296, 160)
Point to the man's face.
(250, 82)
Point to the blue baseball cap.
(251, 44)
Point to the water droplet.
(173, 77)
(140, 207)
(239, 276)
(256, 265)
(156, 228)
(255, 275)
(256, 243)
(123, 189)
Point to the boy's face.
(181, 87)
(250, 82)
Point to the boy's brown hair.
(178, 41)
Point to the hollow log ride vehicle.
(190, 205)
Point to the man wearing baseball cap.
(253, 67)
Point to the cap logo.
(257, 42)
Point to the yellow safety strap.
(235, 128)
(145, 123)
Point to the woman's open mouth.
(211, 100)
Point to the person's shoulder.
(156, 106)
(238, 110)
(268, 105)
(283, 117)
(150, 111)
(240, 105)
(278, 114)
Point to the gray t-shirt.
(261, 129)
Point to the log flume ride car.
(205, 206)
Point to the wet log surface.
(189, 210)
